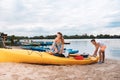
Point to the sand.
(110, 70)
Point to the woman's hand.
(60, 52)
(56, 51)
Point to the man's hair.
(2, 34)
(93, 40)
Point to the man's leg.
(103, 53)
(100, 56)
(103, 56)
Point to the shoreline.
(109, 70)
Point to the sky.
(47, 17)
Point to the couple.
(57, 48)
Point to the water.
(85, 46)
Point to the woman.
(58, 45)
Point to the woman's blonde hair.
(62, 39)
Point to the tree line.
(84, 36)
(12, 40)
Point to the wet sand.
(110, 70)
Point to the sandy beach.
(109, 70)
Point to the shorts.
(102, 48)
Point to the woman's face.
(58, 35)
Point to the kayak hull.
(29, 56)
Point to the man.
(101, 47)
(2, 39)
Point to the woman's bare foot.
(50, 53)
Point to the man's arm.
(96, 50)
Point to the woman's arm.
(62, 46)
(62, 49)
(53, 45)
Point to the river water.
(85, 46)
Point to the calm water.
(85, 46)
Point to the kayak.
(37, 48)
(42, 49)
(29, 56)
(71, 51)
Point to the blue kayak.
(41, 49)
(37, 48)
(71, 51)
(27, 47)
(45, 43)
